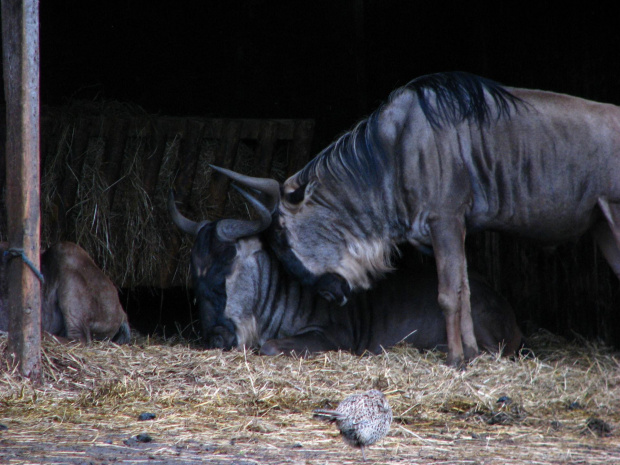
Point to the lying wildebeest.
(448, 154)
(78, 301)
(246, 298)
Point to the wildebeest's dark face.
(316, 231)
(212, 261)
(222, 259)
(329, 285)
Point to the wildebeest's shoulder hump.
(449, 98)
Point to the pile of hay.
(237, 407)
(123, 222)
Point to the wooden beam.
(20, 36)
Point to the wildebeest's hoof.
(270, 348)
(146, 416)
(470, 353)
(221, 337)
(456, 362)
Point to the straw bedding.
(237, 407)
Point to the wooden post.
(20, 35)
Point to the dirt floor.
(562, 407)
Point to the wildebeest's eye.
(297, 195)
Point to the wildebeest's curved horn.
(184, 224)
(232, 230)
(269, 187)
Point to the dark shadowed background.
(334, 62)
(329, 60)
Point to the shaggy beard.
(365, 261)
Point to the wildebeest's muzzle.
(221, 336)
(330, 286)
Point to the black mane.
(460, 96)
(445, 99)
(355, 156)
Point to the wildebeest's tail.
(123, 335)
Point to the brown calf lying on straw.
(79, 302)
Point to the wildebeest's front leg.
(448, 238)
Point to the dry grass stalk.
(217, 405)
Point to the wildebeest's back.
(560, 154)
(537, 170)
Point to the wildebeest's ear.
(297, 195)
(302, 192)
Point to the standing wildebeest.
(449, 154)
(78, 301)
(246, 298)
